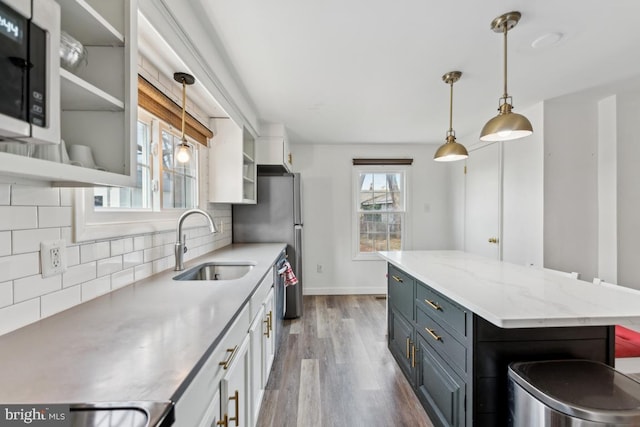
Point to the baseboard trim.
(345, 291)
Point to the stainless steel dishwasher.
(571, 393)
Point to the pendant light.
(183, 150)
(506, 125)
(451, 150)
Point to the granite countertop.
(141, 342)
(515, 296)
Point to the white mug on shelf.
(81, 155)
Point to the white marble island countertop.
(141, 342)
(515, 296)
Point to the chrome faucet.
(180, 248)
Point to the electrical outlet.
(53, 259)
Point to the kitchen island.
(456, 320)
(143, 342)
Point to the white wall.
(628, 187)
(570, 186)
(523, 193)
(326, 172)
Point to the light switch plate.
(53, 257)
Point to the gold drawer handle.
(225, 363)
(271, 320)
(408, 345)
(433, 334)
(223, 422)
(268, 328)
(397, 279)
(434, 304)
(236, 419)
(413, 356)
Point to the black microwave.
(30, 70)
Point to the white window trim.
(406, 231)
(91, 225)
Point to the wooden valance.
(385, 162)
(157, 103)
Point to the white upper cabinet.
(272, 148)
(98, 101)
(232, 166)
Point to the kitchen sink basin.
(217, 271)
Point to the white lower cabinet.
(234, 390)
(228, 389)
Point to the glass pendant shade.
(507, 125)
(451, 150)
(183, 152)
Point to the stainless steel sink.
(217, 271)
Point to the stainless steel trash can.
(571, 393)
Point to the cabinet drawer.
(443, 391)
(200, 394)
(441, 340)
(400, 291)
(441, 308)
(260, 294)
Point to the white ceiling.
(354, 71)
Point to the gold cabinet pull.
(413, 356)
(236, 419)
(224, 421)
(397, 279)
(493, 240)
(434, 304)
(408, 345)
(225, 363)
(268, 328)
(433, 334)
(271, 320)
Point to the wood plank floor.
(334, 369)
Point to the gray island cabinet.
(456, 321)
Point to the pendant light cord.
(184, 101)
(451, 107)
(504, 30)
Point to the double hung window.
(380, 210)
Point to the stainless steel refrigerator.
(277, 217)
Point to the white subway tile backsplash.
(54, 216)
(122, 278)
(16, 266)
(132, 259)
(109, 265)
(5, 194)
(127, 245)
(6, 294)
(5, 243)
(34, 196)
(73, 255)
(103, 250)
(78, 274)
(35, 286)
(117, 247)
(29, 216)
(95, 288)
(143, 271)
(18, 217)
(88, 252)
(19, 315)
(154, 253)
(29, 240)
(61, 300)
